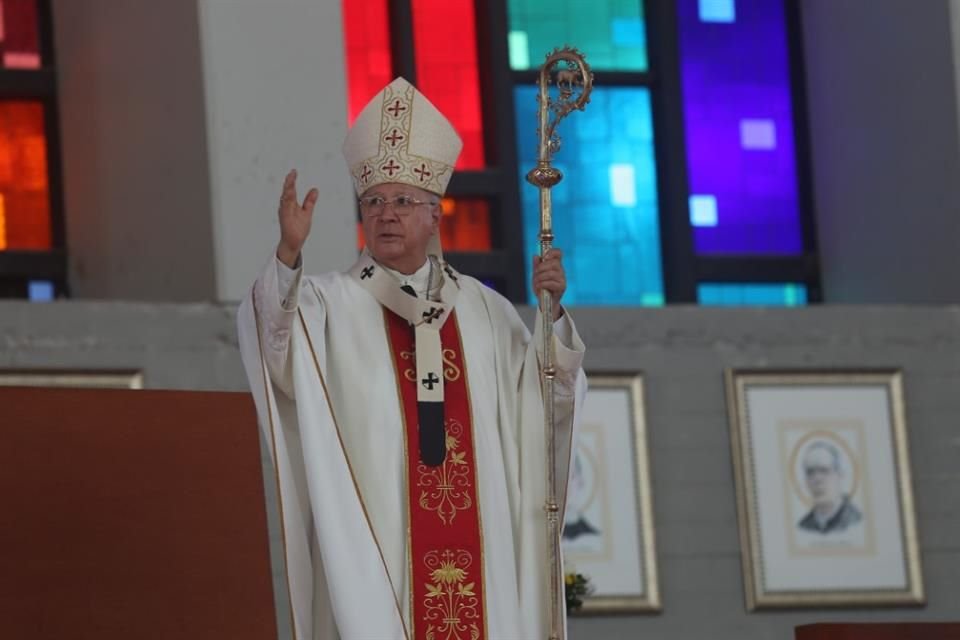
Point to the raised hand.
(295, 219)
(548, 274)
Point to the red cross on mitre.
(390, 167)
(422, 172)
(367, 172)
(394, 137)
(396, 108)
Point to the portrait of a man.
(579, 493)
(824, 473)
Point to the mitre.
(401, 137)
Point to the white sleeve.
(288, 284)
(568, 351)
(278, 294)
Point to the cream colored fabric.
(340, 449)
(401, 137)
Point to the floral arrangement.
(576, 585)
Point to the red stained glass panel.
(19, 34)
(445, 47)
(366, 32)
(24, 192)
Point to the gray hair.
(832, 450)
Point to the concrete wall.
(882, 78)
(179, 121)
(682, 352)
(275, 95)
(134, 150)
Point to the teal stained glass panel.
(611, 33)
(778, 295)
(605, 215)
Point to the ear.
(435, 216)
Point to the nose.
(389, 205)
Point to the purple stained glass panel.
(739, 127)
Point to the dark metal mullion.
(499, 183)
(500, 131)
(803, 154)
(600, 78)
(402, 40)
(481, 264)
(488, 182)
(48, 265)
(27, 84)
(676, 233)
(55, 181)
(748, 269)
(51, 118)
(45, 26)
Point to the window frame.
(683, 269)
(17, 266)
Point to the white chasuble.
(321, 370)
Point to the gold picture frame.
(824, 497)
(77, 378)
(609, 534)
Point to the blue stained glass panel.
(780, 295)
(40, 291)
(605, 214)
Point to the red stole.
(445, 540)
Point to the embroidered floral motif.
(451, 603)
(446, 489)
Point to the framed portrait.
(608, 530)
(824, 494)
(80, 378)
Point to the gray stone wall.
(882, 88)
(683, 352)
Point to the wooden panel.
(916, 631)
(132, 514)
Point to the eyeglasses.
(403, 205)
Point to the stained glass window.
(366, 32)
(734, 294)
(605, 208)
(465, 225)
(447, 71)
(611, 33)
(737, 107)
(736, 101)
(24, 197)
(19, 34)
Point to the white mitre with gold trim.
(401, 137)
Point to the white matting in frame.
(608, 533)
(823, 488)
(80, 378)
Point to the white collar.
(419, 279)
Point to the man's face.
(395, 238)
(823, 478)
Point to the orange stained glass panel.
(445, 47)
(19, 34)
(465, 225)
(24, 192)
